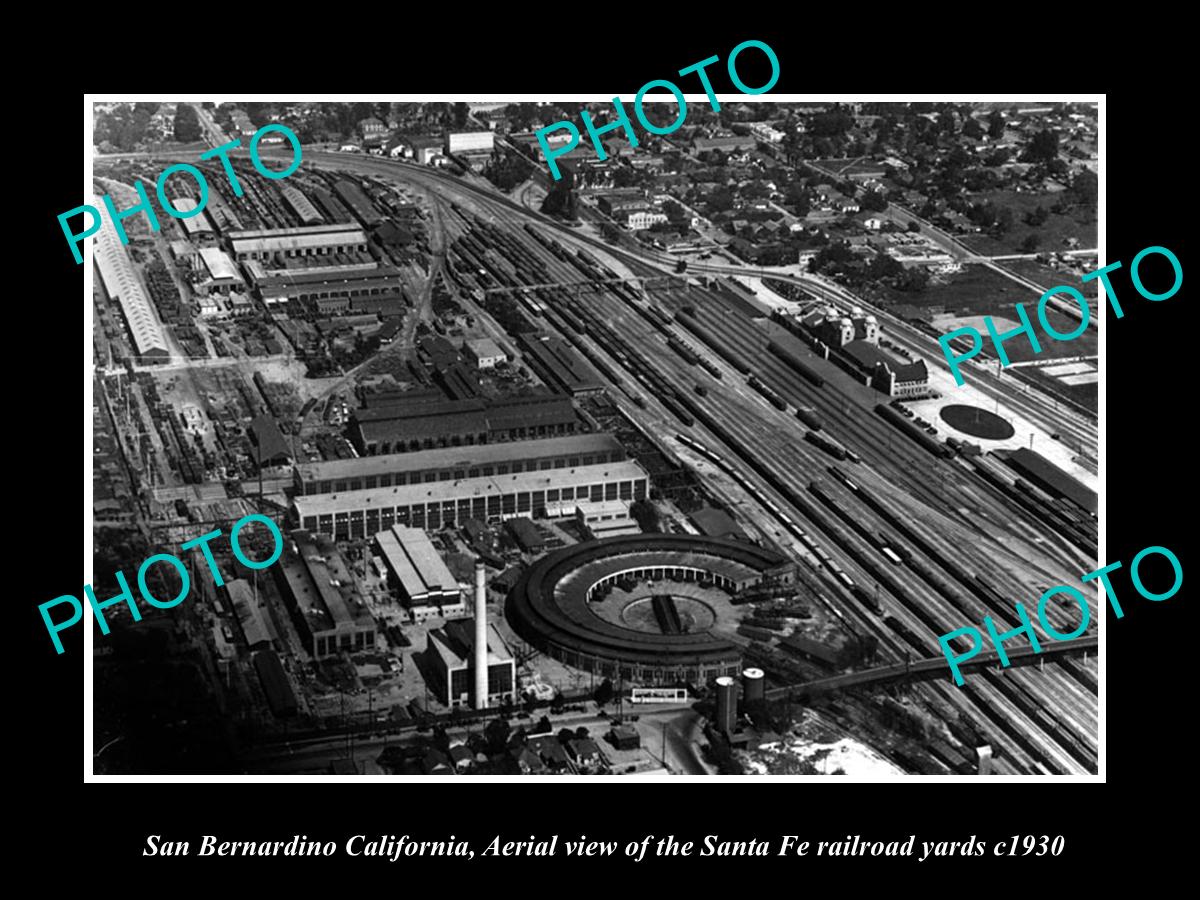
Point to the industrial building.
(319, 591)
(306, 240)
(1050, 478)
(301, 205)
(559, 364)
(467, 659)
(485, 352)
(217, 272)
(404, 426)
(450, 654)
(252, 618)
(481, 460)
(357, 514)
(122, 284)
(416, 572)
(358, 203)
(198, 228)
(343, 285)
(550, 605)
(606, 518)
(470, 142)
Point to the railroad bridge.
(925, 669)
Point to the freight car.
(937, 448)
(798, 365)
(680, 413)
(687, 353)
(809, 417)
(833, 448)
(866, 599)
(773, 398)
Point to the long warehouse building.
(304, 240)
(553, 492)
(480, 460)
(425, 425)
(121, 282)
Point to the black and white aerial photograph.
(483, 439)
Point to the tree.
(720, 200)
(676, 214)
(873, 201)
(440, 739)
(497, 732)
(461, 112)
(1043, 147)
(543, 725)
(645, 514)
(1030, 243)
(560, 201)
(1004, 220)
(581, 733)
(187, 124)
(681, 266)
(604, 693)
(972, 129)
(1084, 190)
(996, 124)
(913, 227)
(564, 735)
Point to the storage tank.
(726, 704)
(753, 685)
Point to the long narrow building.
(121, 283)
(479, 460)
(552, 492)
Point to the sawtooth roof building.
(480, 460)
(121, 283)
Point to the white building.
(486, 353)
(641, 219)
(766, 132)
(606, 518)
(470, 141)
(217, 272)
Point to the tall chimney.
(481, 648)
(726, 705)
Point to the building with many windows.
(431, 505)
(319, 590)
(451, 657)
(476, 461)
(404, 425)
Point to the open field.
(1049, 277)
(1052, 233)
(977, 290)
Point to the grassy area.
(975, 291)
(1080, 224)
(1049, 277)
(980, 291)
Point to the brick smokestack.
(481, 647)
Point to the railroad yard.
(903, 530)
